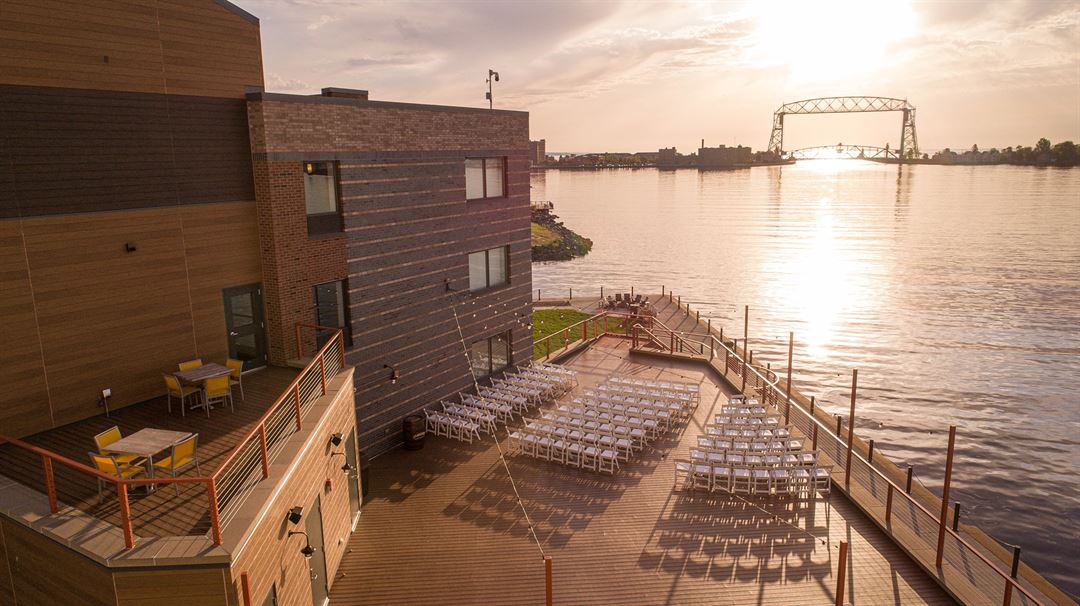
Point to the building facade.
(538, 152)
(157, 205)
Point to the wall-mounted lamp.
(335, 439)
(345, 466)
(309, 168)
(449, 288)
(295, 515)
(130, 247)
(393, 374)
(307, 550)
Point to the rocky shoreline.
(553, 241)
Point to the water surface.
(954, 290)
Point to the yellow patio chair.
(173, 388)
(107, 464)
(197, 362)
(184, 454)
(109, 436)
(217, 389)
(236, 376)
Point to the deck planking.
(162, 512)
(441, 525)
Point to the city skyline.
(619, 76)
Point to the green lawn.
(552, 321)
(542, 236)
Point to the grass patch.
(552, 321)
(542, 236)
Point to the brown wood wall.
(178, 47)
(81, 314)
(272, 558)
(34, 561)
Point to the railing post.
(296, 398)
(839, 421)
(945, 496)
(299, 345)
(672, 342)
(813, 440)
(790, 351)
(956, 517)
(50, 483)
(584, 331)
(1015, 562)
(662, 290)
(813, 400)
(841, 573)
(851, 427)
(888, 506)
(712, 348)
(601, 291)
(322, 373)
(571, 294)
(634, 338)
(547, 342)
(631, 290)
(565, 338)
(680, 302)
(215, 515)
(910, 472)
(245, 588)
(547, 579)
(1007, 600)
(870, 452)
(341, 347)
(125, 514)
(262, 450)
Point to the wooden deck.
(441, 525)
(162, 512)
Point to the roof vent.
(348, 93)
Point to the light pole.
(492, 75)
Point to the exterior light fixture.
(393, 374)
(335, 439)
(295, 515)
(492, 75)
(309, 168)
(307, 550)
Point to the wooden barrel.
(413, 432)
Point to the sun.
(831, 41)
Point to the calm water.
(954, 290)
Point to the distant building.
(723, 157)
(538, 152)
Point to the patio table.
(202, 373)
(146, 443)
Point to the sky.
(637, 76)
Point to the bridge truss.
(909, 145)
(854, 152)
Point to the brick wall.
(408, 230)
(293, 264)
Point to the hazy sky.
(633, 76)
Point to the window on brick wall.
(321, 198)
(485, 178)
(489, 268)
(490, 355)
(331, 309)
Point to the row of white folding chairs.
(741, 422)
(743, 400)
(626, 444)
(484, 420)
(754, 480)
(770, 458)
(451, 426)
(628, 391)
(651, 426)
(566, 452)
(554, 369)
(674, 411)
(638, 435)
(661, 419)
(502, 411)
(520, 403)
(531, 393)
(720, 443)
(743, 411)
(756, 444)
(682, 406)
(717, 433)
(546, 389)
(561, 382)
(692, 388)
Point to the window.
(321, 198)
(490, 355)
(485, 178)
(330, 310)
(488, 268)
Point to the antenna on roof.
(492, 75)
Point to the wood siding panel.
(34, 561)
(173, 587)
(107, 318)
(187, 48)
